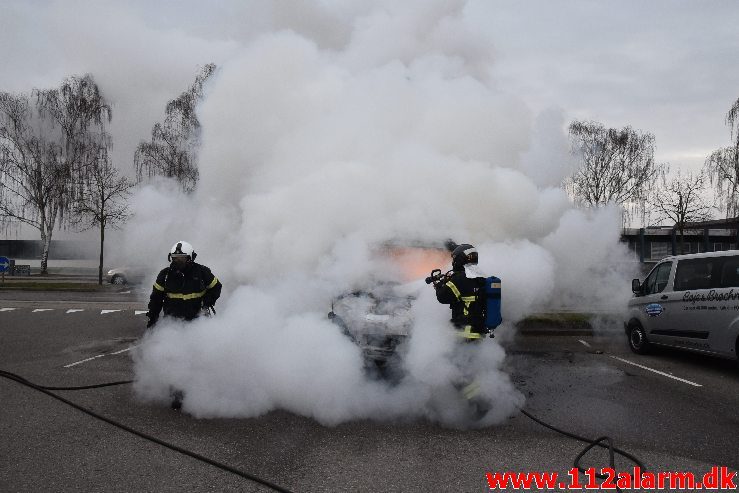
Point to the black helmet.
(464, 254)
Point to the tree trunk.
(47, 229)
(45, 244)
(102, 242)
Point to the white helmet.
(182, 248)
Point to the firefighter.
(184, 288)
(465, 297)
(182, 291)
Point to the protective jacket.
(464, 294)
(182, 293)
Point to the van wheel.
(638, 339)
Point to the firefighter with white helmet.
(184, 288)
(182, 291)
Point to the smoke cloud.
(317, 153)
(330, 131)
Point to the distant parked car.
(126, 275)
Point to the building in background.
(652, 244)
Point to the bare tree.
(617, 165)
(47, 142)
(681, 201)
(732, 120)
(102, 201)
(172, 151)
(723, 167)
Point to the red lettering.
(517, 480)
(590, 473)
(648, 480)
(716, 478)
(661, 477)
(682, 480)
(710, 479)
(624, 481)
(574, 474)
(609, 483)
(494, 480)
(727, 479)
(546, 480)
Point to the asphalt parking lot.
(674, 411)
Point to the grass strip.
(49, 286)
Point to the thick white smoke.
(317, 152)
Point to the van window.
(696, 273)
(657, 280)
(730, 273)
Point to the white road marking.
(659, 372)
(98, 356)
(75, 310)
(83, 361)
(124, 292)
(585, 343)
(124, 350)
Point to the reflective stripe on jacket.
(460, 292)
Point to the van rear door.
(709, 304)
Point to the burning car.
(378, 319)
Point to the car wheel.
(638, 339)
(118, 280)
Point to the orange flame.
(416, 263)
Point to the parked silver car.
(126, 275)
(688, 302)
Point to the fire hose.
(599, 442)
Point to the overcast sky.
(668, 67)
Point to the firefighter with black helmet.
(464, 294)
(466, 297)
(183, 289)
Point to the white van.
(689, 302)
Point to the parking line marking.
(103, 312)
(84, 361)
(74, 310)
(124, 350)
(98, 356)
(7, 309)
(140, 312)
(586, 344)
(659, 372)
(42, 310)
